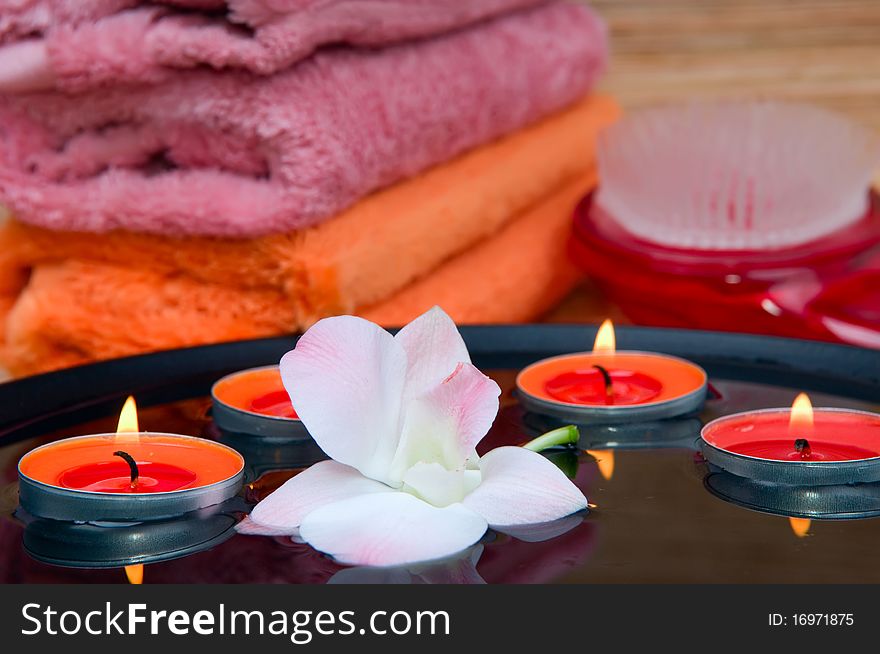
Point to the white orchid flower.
(400, 417)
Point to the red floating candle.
(258, 390)
(129, 475)
(273, 403)
(797, 446)
(612, 386)
(601, 386)
(115, 477)
(255, 402)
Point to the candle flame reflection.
(134, 574)
(128, 422)
(605, 461)
(605, 340)
(800, 526)
(800, 424)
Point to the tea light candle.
(802, 446)
(609, 386)
(127, 476)
(255, 402)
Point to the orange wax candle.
(258, 390)
(255, 402)
(611, 385)
(167, 462)
(128, 475)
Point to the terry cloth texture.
(237, 155)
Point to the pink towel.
(236, 155)
(81, 44)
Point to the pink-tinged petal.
(542, 531)
(345, 379)
(460, 569)
(521, 487)
(248, 527)
(25, 67)
(434, 348)
(385, 529)
(326, 482)
(445, 424)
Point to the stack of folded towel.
(198, 170)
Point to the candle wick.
(802, 447)
(132, 466)
(609, 386)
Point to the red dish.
(827, 289)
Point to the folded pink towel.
(82, 44)
(237, 155)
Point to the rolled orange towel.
(513, 277)
(75, 312)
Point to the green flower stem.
(567, 435)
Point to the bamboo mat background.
(825, 52)
(822, 51)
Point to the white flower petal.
(445, 424)
(521, 487)
(434, 348)
(439, 486)
(326, 482)
(250, 528)
(383, 529)
(346, 378)
(542, 531)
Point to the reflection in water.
(499, 558)
(657, 522)
(117, 545)
(832, 502)
(134, 574)
(800, 526)
(531, 554)
(605, 461)
(458, 570)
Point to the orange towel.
(513, 277)
(444, 237)
(74, 312)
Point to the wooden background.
(822, 51)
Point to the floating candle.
(273, 403)
(798, 446)
(607, 385)
(129, 475)
(255, 402)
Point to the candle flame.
(605, 341)
(800, 424)
(605, 461)
(800, 526)
(135, 573)
(128, 421)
